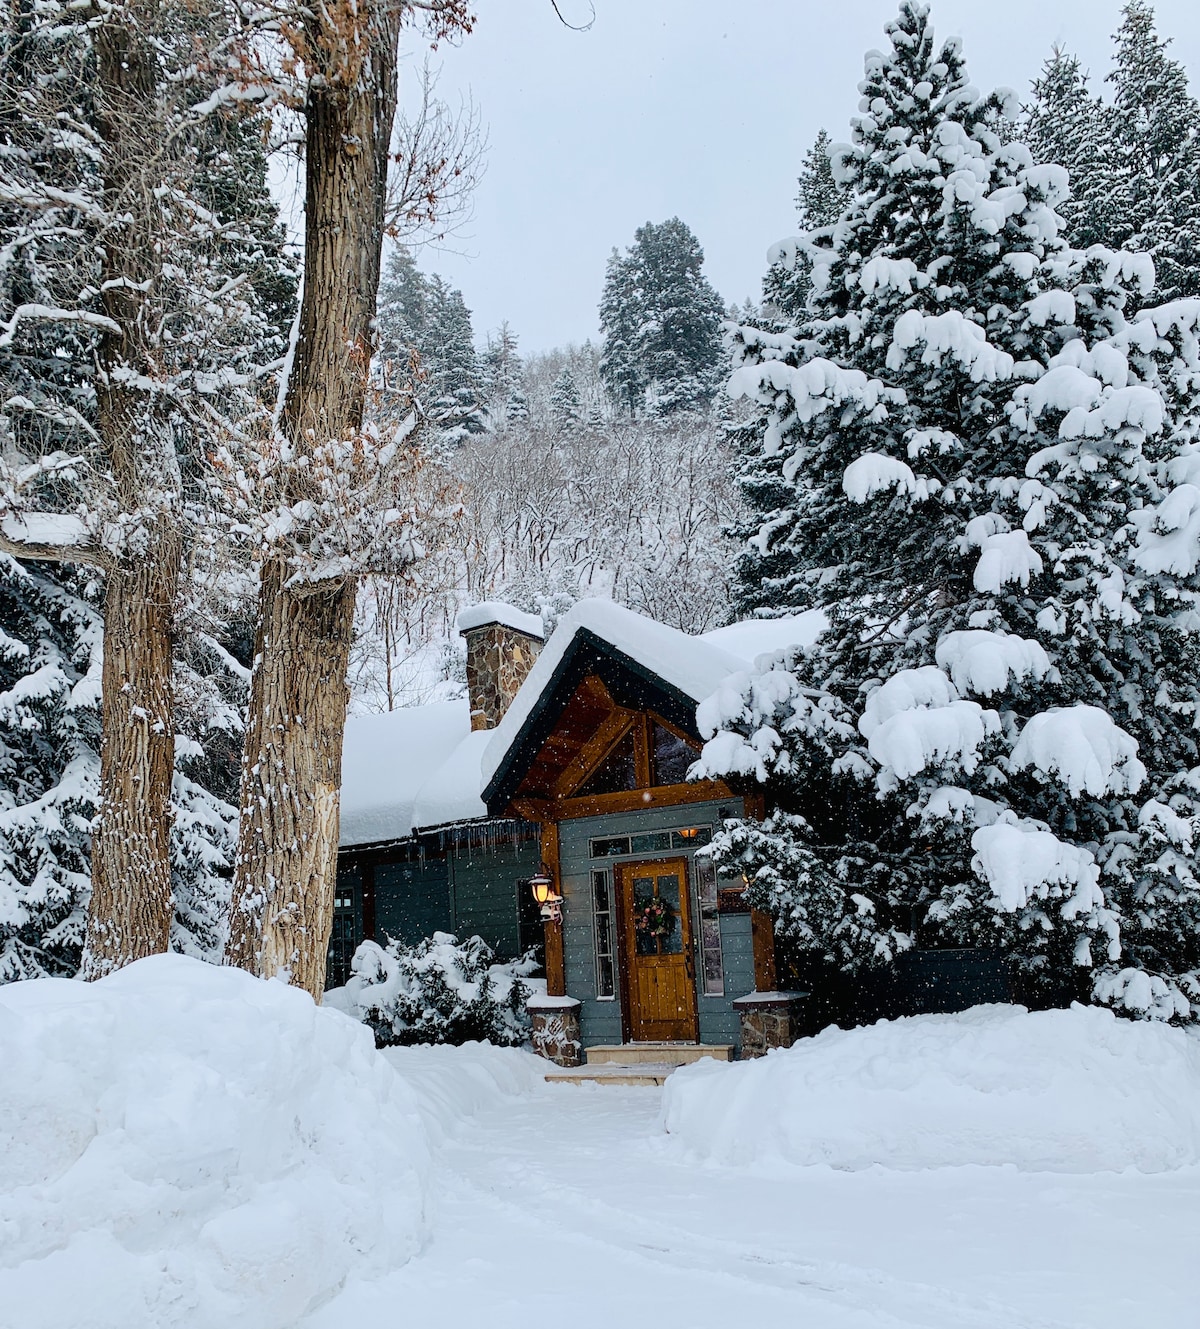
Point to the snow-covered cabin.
(573, 757)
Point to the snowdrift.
(1061, 1091)
(185, 1145)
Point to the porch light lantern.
(546, 897)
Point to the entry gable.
(605, 673)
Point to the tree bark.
(131, 906)
(288, 831)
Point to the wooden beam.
(634, 800)
(556, 965)
(641, 751)
(531, 809)
(592, 753)
(762, 938)
(593, 687)
(680, 734)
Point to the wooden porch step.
(669, 1054)
(646, 1074)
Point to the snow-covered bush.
(1058, 1091)
(184, 1145)
(441, 990)
(972, 449)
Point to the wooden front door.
(660, 981)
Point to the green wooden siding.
(485, 898)
(462, 881)
(412, 900)
(600, 1018)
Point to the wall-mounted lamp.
(547, 898)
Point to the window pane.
(652, 843)
(672, 757)
(691, 838)
(606, 848)
(668, 892)
(602, 912)
(706, 883)
(617, 772)
(645, 936)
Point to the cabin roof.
(409, 770)
(423, 767)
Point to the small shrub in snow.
(441, 990)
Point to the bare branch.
(437, 160)
(580, 27)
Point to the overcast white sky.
(697, 108)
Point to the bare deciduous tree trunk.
(288, 833)
(131, 905)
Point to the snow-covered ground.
(570, 1206)
(186, 1146)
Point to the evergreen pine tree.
(621, 367)
(451, 362)
(660, 318)
(500, 371)
(952, 448)
(1156, 192)
(49, 764)
(516, 409)
(427, 350)
(819, 202)
(1065, 123)
(566, 411)
(820, 198)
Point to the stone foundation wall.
(555, 1033)
(769, 1020)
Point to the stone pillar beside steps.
(555, 1033)
(769, 1020)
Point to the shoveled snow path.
(568, 1206)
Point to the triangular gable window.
(672, 756)
(616, 773)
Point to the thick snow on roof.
(697, 666)
(759, 636)
(421, 767)
(496, 611)
(408, 769)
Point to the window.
(609, 846)
(672, 756)
(616, 773)
(712, 964)
(654, 842)
(602, 914)
(346, 932)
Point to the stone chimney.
(502, 644)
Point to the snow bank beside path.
(1059, 1091)
(185, 1145)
